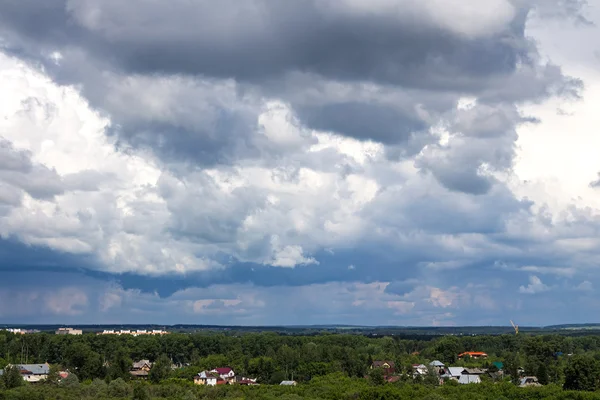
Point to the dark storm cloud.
(218, 143)
(254, 40)
(17, 256)
(363, 121)
(261, 45)
(400, 287)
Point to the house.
(202, 378)
(474, 371)
(419, 369)
(142, 365)
(32, 373)
(499, 365)
(496, 376)
(288, 383)
(139, 374)
(527, 381)
(453, 373)
(68, 331)
(209, 378)
(438, 366)
(224, 373)
(466, 379)
(141, 369)
(388, 366)
(473, 354)
(247, 381)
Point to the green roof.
(498, 364)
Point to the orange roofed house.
(473, 354)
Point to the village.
(224, 375)
(461, 375)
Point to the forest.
(324, 366)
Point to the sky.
(259, 162)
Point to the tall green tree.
(287, 359)
(511, 367)
(53, 375)
(447, 349)
(432, 378)
(261, 368)
(12, 377)
(581, 373)
(376, 376)
(542, 374)
(161, 369)
(120, 365)
(92, 366)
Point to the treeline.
(271, 358)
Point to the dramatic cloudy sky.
(404, 162)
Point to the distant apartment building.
(139, 332)
(69, 331)
(20, 331)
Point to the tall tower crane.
(515, 327)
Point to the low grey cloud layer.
(226, 141)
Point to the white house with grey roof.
(453, 373)
(466, 379)
(32, 373)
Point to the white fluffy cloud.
(137, 214)
(535, 286)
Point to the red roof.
(472, 353)
(223, 371)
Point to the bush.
(140, 392)
(189, 395)
(119, 388)
(98, 388)
(12, 377)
